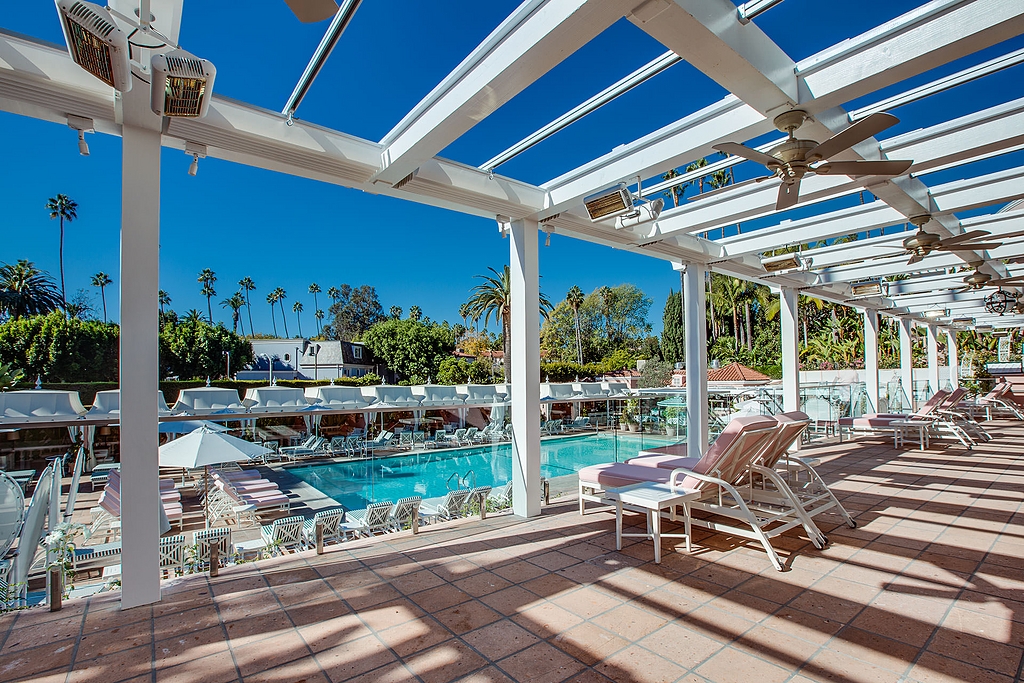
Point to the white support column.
(695, 326)
(933, 358)
(525, 380)
(140, 268)
(871, 356)
(788, 302)
(954, 360)
(907, 360)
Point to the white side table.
(904, 429)
(652, 498)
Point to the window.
(357, 352)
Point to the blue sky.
(288, 232)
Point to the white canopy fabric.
(207, 447)
(340, 398)
(396, 397)
(41, 404)
(483, 395)
(559, 392)
(207, 400)
(435, 395)
(109, 403)
(274, 399)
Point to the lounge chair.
(478, 496)
(440, 440)
(330, 521)
(207, 538)
(91, 557)
(448, 507)
(376, 518)
(381, 443)
(501, 497)
(930, 410)
(283, 534)
(311, 447)
(717, 475)
(405, 440)
(469, 437)
(172, 554)
(406, 514)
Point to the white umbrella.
(205, 447)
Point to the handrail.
(448, 482)
(465, 481)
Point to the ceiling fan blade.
(312, 11)
(858, 132)
(1015, 280)
(720, 190)
(789, 195)
(972, 246)
(747, 153)
(970, 235)
(862, 168)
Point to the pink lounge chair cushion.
(871, 421)
(665, 462)
(615, 474)
(676, 450)
(727, 438)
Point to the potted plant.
(671, 421)
(630, 414)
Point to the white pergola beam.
(535, 38)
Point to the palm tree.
(607, 295)
(334, 294)
(297, 307)
(165, 300)
(281, 296)
(676, 191)
(101, 280)
(314, 289)
(415, 312)
(193, 317)
(26, 290)
(207, 277)
(235, 302)
(494, 295)
(396, 312)
(247, 286)
(66, 209)
(272, 299)
(574, 298)
(319, 315)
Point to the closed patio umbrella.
(205, 447)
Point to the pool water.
(431, 474)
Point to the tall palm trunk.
(273, 317)
(507, 346)
(298, 321)
(737, 332)
(750, 326)
(209, 308)
(248, 310)
(284, 319)
(103, 298)
(579, 339)
(63, 296)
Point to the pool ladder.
(462, 482)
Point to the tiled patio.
(928, 588)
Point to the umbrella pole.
(206, 496)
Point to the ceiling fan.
(922, 243)
(791, 159)
(312, 11)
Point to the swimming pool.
(358, 483)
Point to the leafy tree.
(26, 290)
(81, 306)
(61, 349)
(558, 333)
(207, 277)
(235, 302)
(574, 298)
(452, 371)
(626, 308)
(297, 308)
(101, 280)
(494, 296)
(194, 349)
(415, 312)
(673, 334)
(65, 209)
(396, 312)
(411, 348)
(656, 374)
(247, 285)
(314, 289)
(650, 349)
(9, 377)
(354, 311)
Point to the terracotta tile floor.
(929, 587)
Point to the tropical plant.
(314, 289)
(574, 298)
(65, 209)
(26, 290)
(281, 295)
(101, 280)
(396, 312)
(494, 296)
(9, 376)
(297, 308)
(61, 349)
(673, 334)
(207, 277)
(194, 349)
(235, 302)
(415, 312)
(272, 300)
(247, 285)
(319, 316)
(165, 300)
